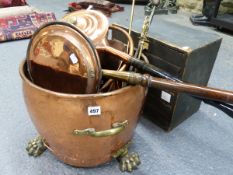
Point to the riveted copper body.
(56, 115)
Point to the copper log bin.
(56, 115)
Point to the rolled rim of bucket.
(22, 70)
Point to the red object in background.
(106, 7)
(11, 3)
(75, 6)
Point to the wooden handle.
(199, 91)
(139, 64)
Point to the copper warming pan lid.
(61, 47)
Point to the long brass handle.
(116, 129)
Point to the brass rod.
(131, 21)
(144, 34)
(131, 17)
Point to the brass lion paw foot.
(36, 146)
(128, 162)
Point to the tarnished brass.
(36, 146)
(122, 151)
(143, 41)
(127, 162)
(55, 115)
(116, 129)
(131, 16)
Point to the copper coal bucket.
(71, 133)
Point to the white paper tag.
(94, 110)
(166, 96)
(73, 58)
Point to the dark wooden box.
(183, 52)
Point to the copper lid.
(62, 47)
(91, 22)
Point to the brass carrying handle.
(116, 129)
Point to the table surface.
(203, 144)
